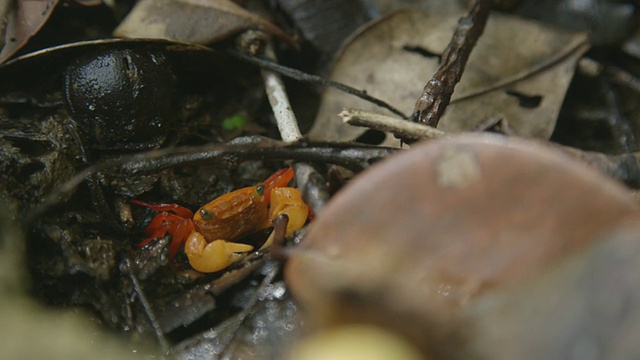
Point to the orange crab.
(208, 235)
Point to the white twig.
(274, 86)
(288, 127)
(401, 128)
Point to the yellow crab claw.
(287, 201)
(214, 256)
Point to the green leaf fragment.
(234, 122)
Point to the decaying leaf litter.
(74, 191)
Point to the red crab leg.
(177, 209)
(180, 234)
(159, 232)
(279, 178)
(157, 224)
(179, 225)
(179, 228)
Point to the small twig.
(401, 129)
(127, 267)
(438, 91)
(314, 79)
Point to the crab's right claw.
(214, 256)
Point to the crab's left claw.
(214, 256)
(287, 201)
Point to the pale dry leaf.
(196, 21)
(519, 71)
(19, 21)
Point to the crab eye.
(206, 214)
(260, 189)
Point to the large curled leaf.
(472, 247)
(519, 71)
(19, 21)
(197, 21)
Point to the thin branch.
(146, 305)
(229, 156)
(352, 156)
(438, 91)
(314, 79)
(401, 129)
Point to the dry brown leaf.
(415, 241)
(196, 21)
(23, 20)
(515, 60)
